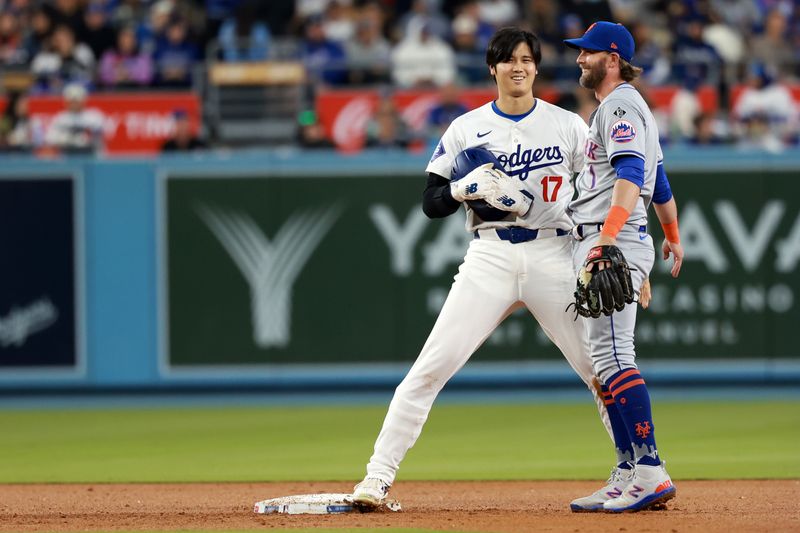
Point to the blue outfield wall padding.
(122, 220)
(121, 269)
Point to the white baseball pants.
(495, 278)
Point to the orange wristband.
(617, 216)
(671, 232)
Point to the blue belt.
(516, 234)
(584, 229)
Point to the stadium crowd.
(105, 45)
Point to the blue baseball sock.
(633, 401)
(622, 441)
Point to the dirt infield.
(515, 506)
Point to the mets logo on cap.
(622, 132)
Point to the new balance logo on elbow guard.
(506, 201)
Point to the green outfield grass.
(699, 440)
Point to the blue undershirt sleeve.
(662, 193)
(631, 168)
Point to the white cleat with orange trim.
(620, 477)
(650, 487)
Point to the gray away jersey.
(541, 152)
(621, 125)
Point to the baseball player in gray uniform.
(523, 259)
(623, 173)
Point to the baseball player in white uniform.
(525, 259)
(622, 175)
(76, 128)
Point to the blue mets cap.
(607, 37)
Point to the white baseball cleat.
(650, 487)
(370, 493)
(620, 477)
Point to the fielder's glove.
(603, 291)
(475, 185)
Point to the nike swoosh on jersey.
(484, 134)
(642, 237)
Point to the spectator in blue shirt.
(325, 60)
(216, 13)
(484, 31)
(176, 56)
(693, 54)
(152, 32)
(242, 37)
(447, 109)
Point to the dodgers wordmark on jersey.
(541, 151)
(621, 125)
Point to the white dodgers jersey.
(541, 152)
(621, 125)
